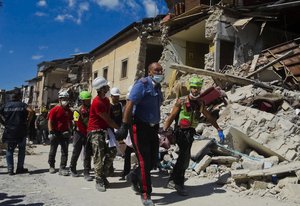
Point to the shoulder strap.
(201, 105)
(121, 106)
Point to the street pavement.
(41, 188)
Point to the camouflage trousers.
(102, 154)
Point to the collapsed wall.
(264, 157)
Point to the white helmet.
(115, 91)
(99, 82)
(63, 94)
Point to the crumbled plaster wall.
(247, 44)
(211, 29)
(209, 61)
(247, 41)
(140, 72)
(173, 52)
(145, 35)
(211, 26)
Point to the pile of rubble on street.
(261, 153)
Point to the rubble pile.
(261, 154)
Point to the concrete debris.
(199, 149)
(239, 174)
(258, 185)
(212, 169)
(291, 191)
(288, 180)
(236, 166)
(202, 164)
(251, 164)
(224, 160)
(278, 169)
(269, 141)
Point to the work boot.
(87, 176)
(171, 185)
(52, 170)
(10, 171)
(21, 170)
(181, 190)
(147, 201)
(74, 172)
(100, 186)
(134, 182)
(122, 178)
(105, 181)
(63, 172)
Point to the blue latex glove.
(221, 136)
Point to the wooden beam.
(226, 77)
(289, 53)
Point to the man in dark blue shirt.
(15, 115)
(147, 98)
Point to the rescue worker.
(59, 126)
(147, 98)
(15, 116)
(116, 113)
(98, 124)
(188, 111)
(41, 125)
(116, 110)
(80, 118)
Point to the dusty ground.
(41, 188)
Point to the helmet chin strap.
(194, 97)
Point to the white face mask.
(158, 78)
(194, 97)
(64, 103)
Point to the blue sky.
(32, 31)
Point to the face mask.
(64, 103)
(194, 97)
(158, 78)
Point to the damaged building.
(125, 57)
(213, 35)
(250, 50)
(121, 60)
(72, 74)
